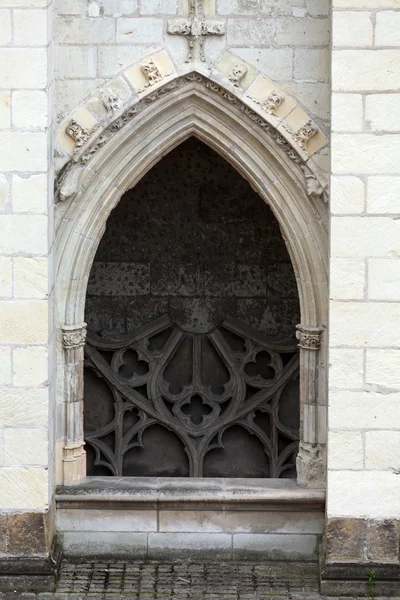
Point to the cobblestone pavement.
(183, 581)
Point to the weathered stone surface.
(27, 533)
(382, 540)
(345, 539)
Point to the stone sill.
(205, 493)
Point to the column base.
(360, 557)
(310, 465)
(26, 563)
(74, 463)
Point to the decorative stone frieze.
(309, 337)
(196, 29)
(79, 134)
(73, 337)
(237, 74)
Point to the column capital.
(73, 336)
(309, 337)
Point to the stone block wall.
(287, 40)
(364, 397)
(26, 331)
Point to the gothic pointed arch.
(112, 159)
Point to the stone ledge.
(349, 579)
(155, 492)
(25, 573)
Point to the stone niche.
(192, 254)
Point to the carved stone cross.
(196, 28)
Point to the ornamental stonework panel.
(173, 403)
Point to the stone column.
(310, 463)
(74, 455)
(362, 531)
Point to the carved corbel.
(309, 337)
(314, 187)
(151, 72)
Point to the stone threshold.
(207, 493)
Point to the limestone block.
(23, 68)
(35, 402)
(302, 32)
(27, 3)
(5, 110)
(24, 446)
(345, 450)
(387, 28)
(23, 488)
(5, 277)
(318, 8)
(259, 31)
(70, 93)
(29, 194)
(5, 365)
(4, 191)
(277, 63)
(24, 322)
(347, 278)
(78, 30)
(274, 546)
(347, 195)
(99, 543)
(182, 545)
(30, 277)
(111, 520)
(257, 7)
(382, 112)
(315, 96)
(30, 28)
(384, 279)
(364, 236)
(337, 4)
(23, 233)
(346, 368)
(156, 7)
(365, 153)
(71, 7)
(365, 70)
(23, 151)
(293, 123)
(147, 30)
(118, 8)
(363, 410)
(354, 494)
(229, 521)
(113, 59)
(347, 112)
(30, 366)
(382, 450)
(351, 29)
(75, 61)
(311, 64)
(351, 324)
(5, 26)
(30, 109)
(383, 368)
